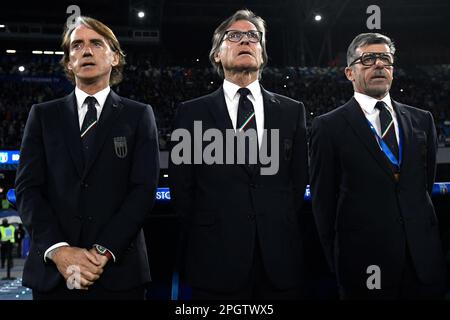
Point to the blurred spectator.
(321, 90)
(7, 242)
(19, 236)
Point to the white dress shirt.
(232, 101)
(82, 106)
(82, 110)
(372, 114)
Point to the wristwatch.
(103, 251)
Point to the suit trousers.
(408, 288)
(257, 287)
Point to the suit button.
(79, 218)
(89, 218)
(251, 216)
(254, 185)
(400, 220)
(84, 185)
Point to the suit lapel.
(272, 111)
(405, 128)
(71, 130)
(218, 108)
(358, 121)
(109, 114)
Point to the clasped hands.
(79, 267)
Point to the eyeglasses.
(253, 36)
(370, 58)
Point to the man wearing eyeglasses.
(373, 164)
(242, 227)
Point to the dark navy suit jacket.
(105, 201)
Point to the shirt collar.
(368, 103)
(100, 96)
(231, 89)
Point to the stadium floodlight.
(21, 68)
(317, 17)
(59, 53)
(2, 26)
(48, 52)
(10, 51)
(36, 52)
(141, 14)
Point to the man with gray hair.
(242, 227)
(373, 163)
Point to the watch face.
(100, 249)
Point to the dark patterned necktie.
(246, 120)
(388, 128)
(88, 127)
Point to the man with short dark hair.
(243, 233)
(373, 163)
(89, 166)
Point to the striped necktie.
(88, 127)
(246, 120)
(387, 128)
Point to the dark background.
(419, 27)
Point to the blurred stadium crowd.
(163, 87)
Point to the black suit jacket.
(103, 202)
(224, 205)
(364, 217)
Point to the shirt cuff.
(53, 247)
